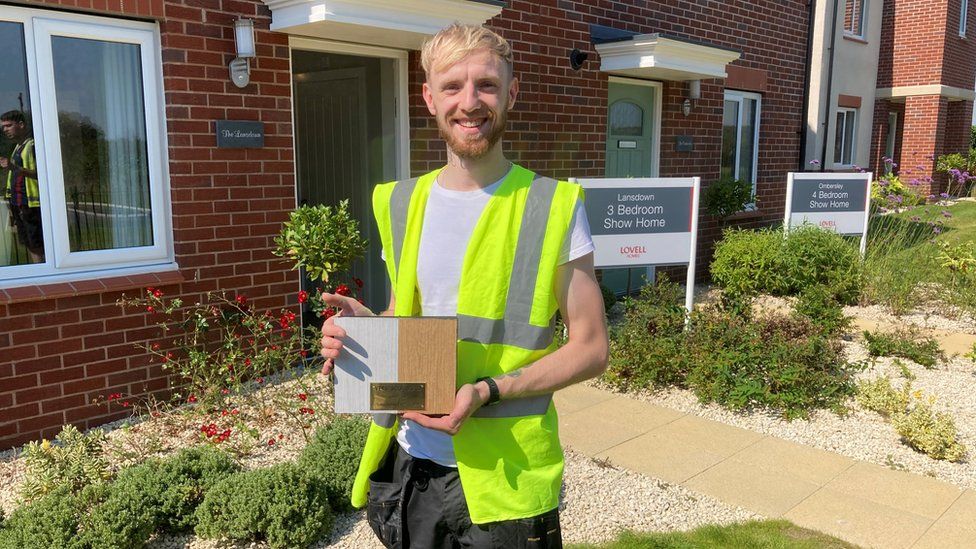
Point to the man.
(21, 190)
(502, 249)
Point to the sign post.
(643, 222)
(838, 202)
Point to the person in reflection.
(21, 189)
(503, 249)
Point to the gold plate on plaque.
(397, 396)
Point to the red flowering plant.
(222, 354)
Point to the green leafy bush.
(323, 239)
(905, 343)
(159, 495)
(74, 460)
(890, 192)
(609, 298)
(933, 433)
(57, 519)
(819, 304)
(748, 263)
(813, 256)
(879, 396)
(333, 456)
(646, 349)
(282, 505)
(779, 361)
(726, 197)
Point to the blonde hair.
(458, 41)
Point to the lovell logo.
(632, 252)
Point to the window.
(740, 136)
(963, 17)
(845, 138)
(626, 118)
(82, 158)
(854, 18)
(890, 140)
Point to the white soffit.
(662, 58)
(391, 23)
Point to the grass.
(765, 534)
(902, 265)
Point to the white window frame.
(963, 18)
(740, 97)
(61, 263)
(849, 114)
(860, 17)
(891, 137)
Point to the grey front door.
(630, 153)
(345, 144)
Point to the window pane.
(839, 139)
(730, 139)
(626, 118)
(101, 118)
(21, 237)
(853, 17)
(849, 137)
(748, 147)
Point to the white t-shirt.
(449, 220)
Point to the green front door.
(630, 153)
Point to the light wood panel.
(427, 353)
(369, 355)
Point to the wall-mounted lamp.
(577, 58)
(694, 89)
(240, 67)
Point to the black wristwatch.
(493, 394)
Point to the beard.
(476, 146)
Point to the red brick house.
(124, 98)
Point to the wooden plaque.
(396, 364)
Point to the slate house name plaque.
(240, 134)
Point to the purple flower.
(931, 197)
(883, 183)
(937, 230)
(814, 162)
(916, 218)
(944, 195)
(946, 214)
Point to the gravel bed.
(862, 434)
(598, 502)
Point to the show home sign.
(644, 222)
(837, 202)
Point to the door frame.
(400, 92)
(655, 116)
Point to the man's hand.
(469, 398)
(4, 162)
(331, 334)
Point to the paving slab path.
(863, 503)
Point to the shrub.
(282, 505)
(890, 192)
(933, 433)
(74, 460)
(322, 239)
(56, 519)
(813, 256)
(333, 456)
(646, 349)
(779, 361)
(747, 263)
(726, 197)
(879, 396)
(819, 304)
(158, 495)
(971, 355)
(905, 343)
(609, 298)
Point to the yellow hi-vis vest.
(25, 151)
(508, 455)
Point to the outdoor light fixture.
(240, 67)
(694, 89)
(577, 58)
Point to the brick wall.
(913, 35)
(65, 344)
(558, 126)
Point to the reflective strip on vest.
(505, 331)
(517, 407)
(399, 206)
(528, 251)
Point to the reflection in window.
(844, 138)
(101, 119)
(21, 235)
(740, 136)
(854, 18)
(626, 118)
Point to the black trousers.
(418, 503)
